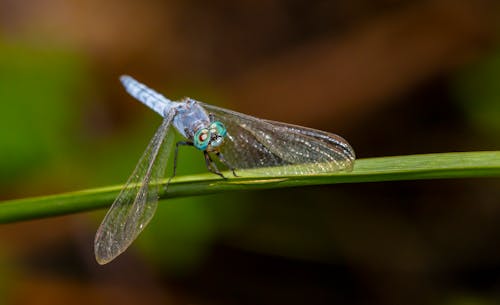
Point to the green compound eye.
(218, 128)
(202, 139)
(218, 132)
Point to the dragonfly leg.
(175, 158)
(211, 165)
(224, 161)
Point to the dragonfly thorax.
(189, 118)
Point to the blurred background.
(393, 77)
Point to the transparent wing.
(135, 205)
(256, 143)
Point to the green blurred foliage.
(477, 88)
(179, 234)
(183, 230)
(36, 87)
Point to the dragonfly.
(238, 141)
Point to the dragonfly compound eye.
(218, 132)
(218, 128)
(202, 139)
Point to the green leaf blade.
(411, 167)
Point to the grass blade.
(411, 167)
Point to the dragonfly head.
(211, 137)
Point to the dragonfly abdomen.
(147, 96)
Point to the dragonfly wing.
(136, 204)
(256, 143)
